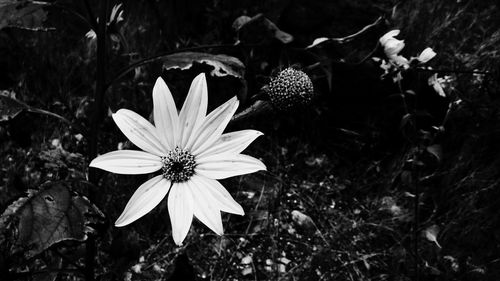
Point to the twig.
(353, 36)
(52, 114)
(467, 71)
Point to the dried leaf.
(302, 220)
(46, 217)
(431, 234)
(223, 65)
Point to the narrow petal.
(204, 208)
(128, 162)
(165, 114)
(145, 198)
(139, 131)
(194, 109)
(213, 126)
(220, 197)
(223, 166)
(234, 142)
(180, 209)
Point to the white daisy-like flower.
(191, 152)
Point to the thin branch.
(353, 36)
(63, 119)
(467, 71)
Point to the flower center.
(178, 165)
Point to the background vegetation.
(360, 185)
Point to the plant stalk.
(91, 248)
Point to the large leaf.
(259, 30)
(223, 65)
(21, 14)
(53, 214)
(9, 106)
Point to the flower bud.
(290, 88)
(426, 55)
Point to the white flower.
(426, 55)
(115, 17)
(192, 154)
(116, 14)
(391, 45)
(435, 82)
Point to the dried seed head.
(290, 88)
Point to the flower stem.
(91, 248)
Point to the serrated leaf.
(9, 106)
(223, 65)
(21, 14)
(46, 217)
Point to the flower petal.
(213, 126)
(426, 55)
(129, 162)
(194, 109)
(204, 208)
(180, 209)
(221, 166)
(165, 114)
(145, 198)
(234, 142)
(139, 131)
(388, 35)
(220, 197)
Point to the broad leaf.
(9, 106)
(45, 217)
(223, 65)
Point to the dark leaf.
(9, 106)
(46, 217)
(223, 65)
(21, 14)
(435, 150)
(260, 29)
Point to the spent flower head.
(290, 88)
(190, 151)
